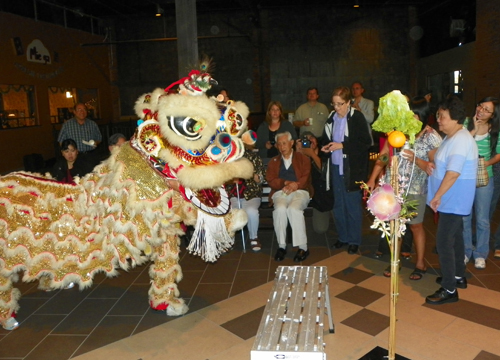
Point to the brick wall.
(487, 55)
(479, 61)
(278, 54)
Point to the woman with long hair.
(417, 164)
(275, 123)
(484, 127)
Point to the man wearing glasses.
(84, 131)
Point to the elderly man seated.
(289, 176)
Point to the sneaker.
(497, 254)
(442, 296)
(466, 260)
(480, 263)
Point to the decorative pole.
(396, 119)
(394, 246)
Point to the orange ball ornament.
(396, 139)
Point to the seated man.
(116, 140)
(289, 177)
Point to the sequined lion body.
(126, 212)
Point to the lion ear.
(242, 108)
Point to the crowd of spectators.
(319, 158)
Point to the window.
(17, 106)
(457, 82)
(61, 103)
(444, 84)
(63, 100)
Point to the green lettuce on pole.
(395, 114)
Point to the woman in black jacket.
(71, 164)
(346, 140)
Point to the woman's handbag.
(482, 178)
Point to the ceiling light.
(356, 3)
(159, 10)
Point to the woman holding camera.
(275, 123)
(322, 200)
(346, 142)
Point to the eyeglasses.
(482, 108)
(337, 105)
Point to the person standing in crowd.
(364, 105)
(275, 123)
(322, 200)
(116, 140)
(346, 140)
(71, 164)
(361, 104)
(225, 94)
(415, 164)
(312, 115)
(82, 130)
(451, 191)
(496, 185)
(484, 128)
(249, 194)
(289, 177)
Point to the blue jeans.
(347, 209)
(494, 201)
(481, 213)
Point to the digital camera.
(306, 143)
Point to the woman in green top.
(484, 127)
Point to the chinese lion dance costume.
(133, 207)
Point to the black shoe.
(339, 244)
(352, 249)
(301, 255)
(280, 254)
(461, 283)
(442, 296)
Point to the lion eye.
(186, 126)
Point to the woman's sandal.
(417, 274)
(406, 255)
(255, 244)
(387, 271)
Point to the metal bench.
(292, 323)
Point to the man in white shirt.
(364, 105)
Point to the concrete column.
(187, 35)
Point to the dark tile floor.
(63, 324)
